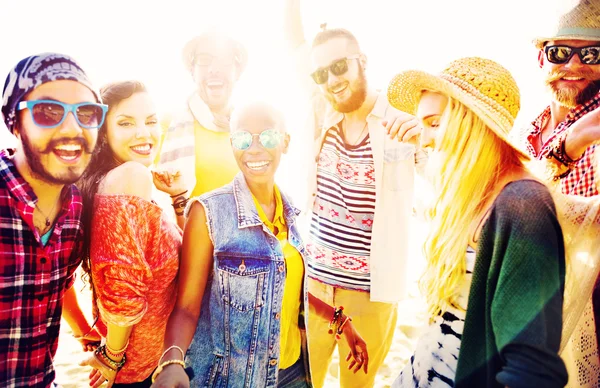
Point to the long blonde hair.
(471, 159)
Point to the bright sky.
(126, 39)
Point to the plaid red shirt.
(33, 279)
(580, 181)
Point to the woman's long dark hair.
(103, 160)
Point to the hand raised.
(405, 127)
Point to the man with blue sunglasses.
(50, 106)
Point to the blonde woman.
(495, 272)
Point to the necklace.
(44, 214)
(359, 135)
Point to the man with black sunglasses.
(567, 132)
(360, 200)
(50, 106)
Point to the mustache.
(85, 145)
(556, 75)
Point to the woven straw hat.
(484, 86)
(581, 22)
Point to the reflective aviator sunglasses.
(269, 138)
(560, 54)
(51, 114)
(339, 67)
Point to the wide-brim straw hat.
(191, 48)
(581, 22)
(484, 86)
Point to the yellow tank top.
(290, 340)
(215, 164)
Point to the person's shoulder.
(129, 178)
(525, 197)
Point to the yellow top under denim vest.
(290, 339)
(215, 164)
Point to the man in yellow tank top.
(196, 143)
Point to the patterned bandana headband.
(34, 71)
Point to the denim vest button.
(281, 268)
(273, 362)
(277, 316)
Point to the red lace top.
(135, 259)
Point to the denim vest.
(236, 343)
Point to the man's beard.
(37, 168)
(572, 97)
(357, 98)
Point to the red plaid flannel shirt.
(580, 181)
(33, 279)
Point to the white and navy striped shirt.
(339, 242)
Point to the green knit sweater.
(513, 324)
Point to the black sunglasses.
(560, 54)
(338, 67)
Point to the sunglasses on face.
(560, 54)
(269, 138)
(208, 60)
(339, 67)
(51, 114)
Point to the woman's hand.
(100, 372)
(172, 376)
(171, 182)
(405, 127)
(358, 349)
(90, 341)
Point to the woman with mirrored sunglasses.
(131, 250)
(242, 295)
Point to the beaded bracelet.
(116, 353)
(112, 364)
(162, 366)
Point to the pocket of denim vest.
(242, 281)
(214, 371)
(398, 165)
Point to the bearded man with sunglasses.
(360, 205)
(52, 109)
(567, 134)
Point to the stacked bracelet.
(558, 152)
(162, 366)
(112, 364)
(115, 353)
(336, 319)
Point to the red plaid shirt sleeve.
(33, 279)
(581, 180)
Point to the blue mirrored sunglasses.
(269, 138)
(51, 114)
